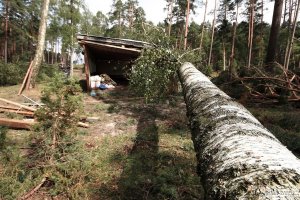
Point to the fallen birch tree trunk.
(237, 157)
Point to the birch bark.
(41, 42)
(237, 157)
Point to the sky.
(154, 9)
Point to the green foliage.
(47, 72)
(284, 123)
(55, 145)
(153, 73)
(3, 132)
(12, 73)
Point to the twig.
(29, 194)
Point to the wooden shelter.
(112, 56)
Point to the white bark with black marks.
(238, 158)
(36, 63)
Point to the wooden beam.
(17, 124)
(9, 108)
(17, 104)
(25, 79)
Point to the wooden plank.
(17, 124)
(17, 104)
(8, 107)
(25, 79)
(29, 79)
(24, 113)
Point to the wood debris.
(23, 110)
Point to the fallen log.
(17, 104)
(18, 124)
(237, 157)
(9, 108)
(84, 125)
(24, 113)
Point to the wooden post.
(87, 67)
(25, 78)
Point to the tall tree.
(203, 26)
(170, 5)
(274, 33)
(99, 24)
(250, 31)
(6, 30)
(291, 38)
(41, 42)
(130, 7)
(186, 24)
(235, 24)
(212, 34)
(116, 16)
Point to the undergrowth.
(283, 122)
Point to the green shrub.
(55, 145)
(3, 132)
(47, 72)
(12, 73)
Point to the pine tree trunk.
(231, 59)
(6, 31)
(41, 43)
(251, 27)
(237, 157)
(212, 34)
(291, 41)
(186, 24)
(274, 33)
(261, 46)
(224, 55)
(203, 26)
(72, 42)
(170, 17)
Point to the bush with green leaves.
(12, 73)
(153, 72)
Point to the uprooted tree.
(237, 156)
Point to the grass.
(152, 157)
(283, 122)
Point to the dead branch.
(29, 194)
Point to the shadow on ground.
(160, 163)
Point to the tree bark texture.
(237, 157)
(274, 33)
(6, 30)
(41, 42)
